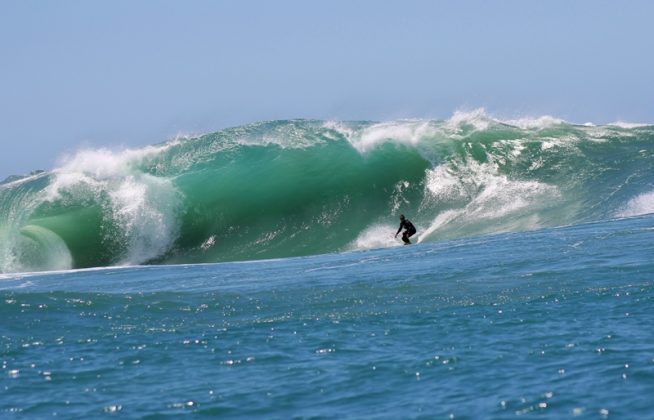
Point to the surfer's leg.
(405, 238)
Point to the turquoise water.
(283, 189)
(555, 322)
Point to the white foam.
(480, 119)
(441, 220)
(487, 194)
(562, 141)
(642, 204)
(477, 118)
(96, 165)
(409, 133)
(413, 132)
(340, 128)
(537, 123)
(628, 125)
(144, 208)
(376, 236)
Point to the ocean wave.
(288, 188)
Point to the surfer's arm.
(399, 229)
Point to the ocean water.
(253, 272)
(556, 322)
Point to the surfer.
(410, 230)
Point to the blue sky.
(128, 73)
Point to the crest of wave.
(412, 132)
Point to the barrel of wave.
(36, 249)
(98, 208)
(24, 244)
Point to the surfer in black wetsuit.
(409, 231)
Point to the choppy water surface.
(556, 322)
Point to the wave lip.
(629, 125)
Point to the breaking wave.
(290, 188)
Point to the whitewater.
(253, 273)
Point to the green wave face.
(289, 188)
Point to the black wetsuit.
(410, 230)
